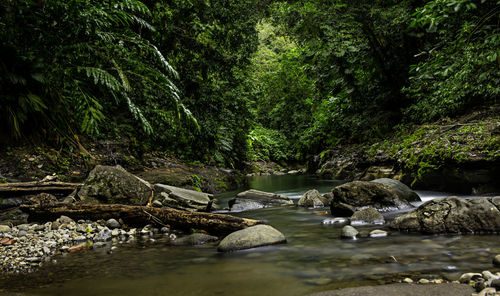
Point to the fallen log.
(217, 224)
(27, 188)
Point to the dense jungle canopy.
(223, 82)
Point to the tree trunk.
(217, 224)
(27, 188)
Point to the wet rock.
(404, 191)
(496, 261)
(112, 224)
(335, 221)
(255, 199)
(423, 281)
(378, 233)
(195, 239)
(78, 248)
(157, 204)
(313, 199)
(408, 281)
(4, 228)
(65, 220)
(184, 199)
(251, 237)
(349, 232)
(113, 184)
(488, 292)
(452, 215)
(352, 196)
(103, 235)
(367, 217)
(467, 277)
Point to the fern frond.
(102, 77)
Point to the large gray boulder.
(184, 199)
(357, 195)
(254, 199)
(453, 215)
(400, 187)
(113, 184)
(313, 199)
(251, 237)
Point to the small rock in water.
(423, 281)
(335, 221)
(349, 232)
(165, 229)
(488, 292)
(496, 261)
(4, 228)
(103, 235)
(157, 204)
(366, 217)
(77, 248)
(467, 277)
(408, 280)
(65, 220)
(378, 233)
(112, 224)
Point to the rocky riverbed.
(25, 247)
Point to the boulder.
(367, 217)
(353, 196)
(453, 215)
(313, 199)
(184, 199)
(255, 199)
(194, 240)
(114, 185)
(404, 191)
(349, 232)
(251, 237)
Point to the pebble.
(113, 223)
(423, 281)
(496, 261)
(25, 247)
(408, 280)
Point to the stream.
(314, 259)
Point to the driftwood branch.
(25, 188)
(218, 224)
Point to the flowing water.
(314, 259)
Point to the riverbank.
(460, 155)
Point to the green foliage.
(461, 68)
(70, 65)
(266, 145)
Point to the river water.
(314, 259)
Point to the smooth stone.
(65, 220)
(408, 280)
(349, 232)
(467, 277)
(335, 221)
(400, 187)
(496, 261)
(378, 233)
(423, 281)
(112, 224)
(488, 292)
(4, 228)
(251, 237)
